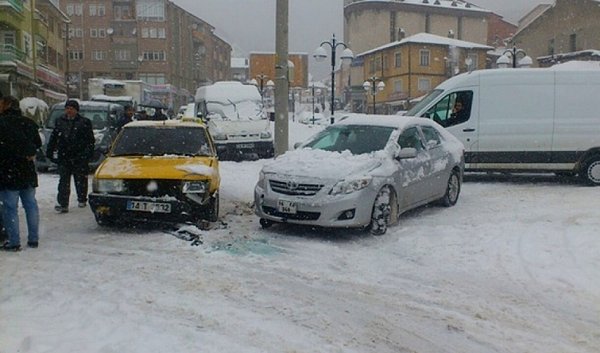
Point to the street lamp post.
(320, 55)
(515, 57)
(373, 85)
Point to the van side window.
(453, 109)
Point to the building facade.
(32, 49)
(567, 27)
(154, 41)
(264, 64)
(411, 68)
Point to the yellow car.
(158, 171)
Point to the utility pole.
(281, 78)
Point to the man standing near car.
(71, 147)
(19, 141)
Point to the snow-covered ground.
(513, 267)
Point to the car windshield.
(98, 117)
(357, 139)
(164, 140)
(245, 110)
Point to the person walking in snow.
(71, 147)
(19, 141)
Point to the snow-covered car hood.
(324, 165)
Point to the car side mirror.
(407, 153)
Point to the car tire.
(212, 210)
(265, 223)
(590, 171)
(381, 215)
(452, 189)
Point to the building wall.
(370, 24)
(552, 32)
(264, 64)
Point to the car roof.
(89, 104)
(187, 122)
(395, 121)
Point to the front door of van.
(458, 113)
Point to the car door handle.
(468, 130)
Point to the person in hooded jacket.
(19, 141)
(71, 147)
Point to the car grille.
(139, 187)
(291, 188)
(300, 216)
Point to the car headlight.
(350, 186)
(261, 179)
(265, 135)
(194, 187)
(109, 185)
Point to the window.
(154, 56)
(424, 57)
(75, 55)
(384, 65)
(101, 33)
(93, 33)
(424, 84)
(432, 137)
(398, 59)
(101, 10)
(372, 66)
(453, 109)
(150, 10)
(474, 61)
(162, 33)
(98, 55)
(153, 33)
(8, 37)
(70, 10)
(121, 12)
(122, 55)
(410, 138)
(397, 86)
(153, 79)
(145, 33)
(551, 47)
(93, 10)
(573, 42)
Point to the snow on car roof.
(178, 122)
(396, 121)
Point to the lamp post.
(320, 54)
(373, 85)
(515, 57)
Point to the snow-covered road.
(513, 267)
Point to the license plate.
(285, 206)
(245, 146)
(154, 207)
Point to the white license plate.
(154, 207)
(245, 146)
(285, 206)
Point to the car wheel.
(452, 190)
(212, 214)
(382, 211)
(590, 173)
(265, 223)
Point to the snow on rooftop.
(428, 38)
(449, 4)
(577, 65)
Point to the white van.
(522, 120)
(236, 120)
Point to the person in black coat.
(71, 147)
(19, 140)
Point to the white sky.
(249, 25)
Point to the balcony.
(15, 5)
(9, 52)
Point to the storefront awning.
(54, 95)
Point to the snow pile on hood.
(324, 164)
(198, 169)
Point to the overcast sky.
(249, 25)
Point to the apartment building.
(154, 41)
(32, 49)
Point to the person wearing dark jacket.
(19, 140)
(71, 147)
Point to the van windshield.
(237, 111)
(99, 118)
(424, 102)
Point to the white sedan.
(363, 171)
